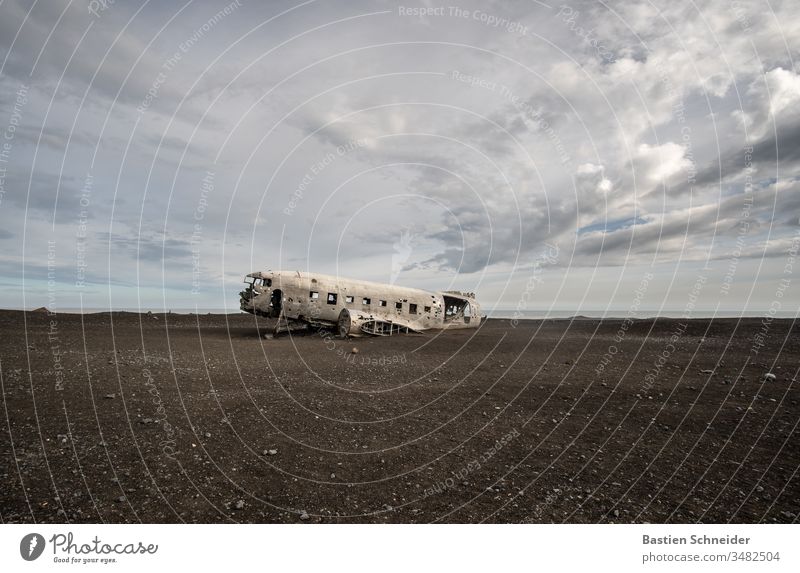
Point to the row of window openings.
(333, 297)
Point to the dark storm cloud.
(778, 151)
(752, 216)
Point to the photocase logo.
(31, 546)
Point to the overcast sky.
(573, 156)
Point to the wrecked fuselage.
(354, 307)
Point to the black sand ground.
(171, 418)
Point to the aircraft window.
(313, 295)
(366, 300)
(348, 299)
(412, 308)
(381, 303)
(266, 282)
(398, 305)
(427, 309)
(332, 296)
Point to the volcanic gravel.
(129, 417)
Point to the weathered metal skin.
(354, 307)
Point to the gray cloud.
(602, 132)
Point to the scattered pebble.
(110, 396)
(272, 452)
(304, 516)
(355, 350)
(769, 377)
(239, 504)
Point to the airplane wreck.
(301, 300)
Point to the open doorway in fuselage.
(276, 302)
(456, 309)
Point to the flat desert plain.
(130, 417)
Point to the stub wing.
(357, 323)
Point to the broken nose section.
(246, 300)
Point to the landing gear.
(289, 325)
